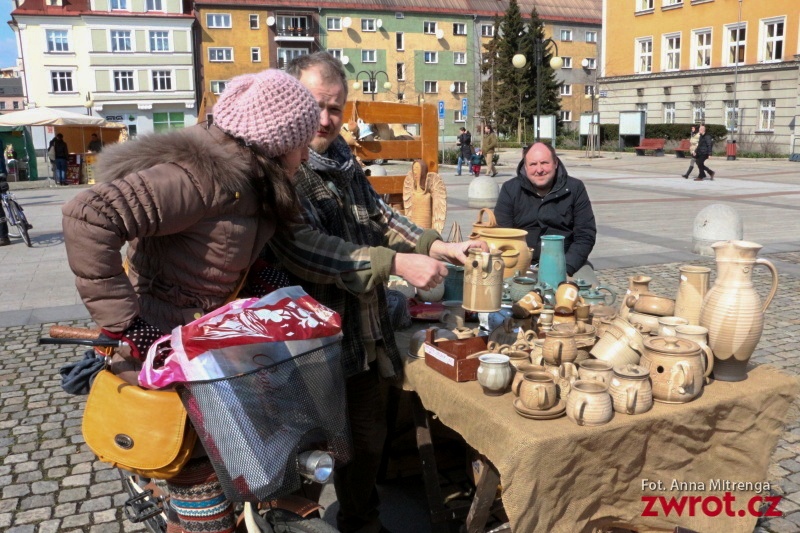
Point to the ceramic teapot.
(676, 368)
(595, 297)
(483, 281)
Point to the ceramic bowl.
(648, 322)
(654, 305)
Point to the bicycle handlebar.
(79, 336)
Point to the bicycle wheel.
(306, 525)
(20, 221)
(12, 228)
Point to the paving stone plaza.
(50, 481)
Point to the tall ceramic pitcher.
(552, 263)
(692, 289)
(483, 281)
(732, 310)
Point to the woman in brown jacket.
(195, 207)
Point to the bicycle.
(15, 216)
(149, 498)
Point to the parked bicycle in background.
(13, 222)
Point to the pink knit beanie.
(270, 109)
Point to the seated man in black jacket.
(544, 200)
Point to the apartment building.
(11, 96)
(715, 61)
(129, 61)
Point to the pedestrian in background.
(488, 146)
(95, 145)
(694, 137)
(60, 153)
(464, 144)
(475, 162)
(705, 147)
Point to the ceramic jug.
(692, 288)
(508, 241)
(589, 404)
(494, 374)
(552, 262)
(479, 224)
(636, 285)
(732, 310)
(676, 368)
(631, 390)
(483, 281)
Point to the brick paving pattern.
(51, 482)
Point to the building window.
(16, 104)
(487, 30)
(285, 55)
(566, 116)
(736, 41)
(431, 86)
(672, 52)
(254, 24)
(642, 107)
(121, 41)
(772, 40)
(220, 55)
(732, 116)
(155, 5)
(460, 87)
(255, 55)
(431, 57)
(766, 115)
(567, 62)
(159, 41)
(162, 80)
(399, 41)
(698, 112)
(61, 81)
(644, 5)
(591, 36)
(293, 25)
(460, 58)
(2, 105)
(369, 86)
(334, 24)
(57, 41)
(591, 63)
(669, 113)
(566, 35)
(217, 86)
(565, 89)
(429, 28)
(401, 72)
(368, 25)
(167, 121)
(644, 55)
(458, 117)
(218, 20)
(120, 5)
(123, 81)
(588, 90)
(399, 16)
(369, 56)
(401, 96)
(459, 28)
(669, 3)
(702, 49)
(336, 53)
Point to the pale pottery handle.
(774, 289)
(630, 404)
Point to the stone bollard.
(483, 192)
(716, 222)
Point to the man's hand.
(419, 270)
(455, 252)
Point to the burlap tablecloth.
(560, 477)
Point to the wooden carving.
(425, 197)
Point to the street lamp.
(372, 74)
(519, 61)
(591, 144)
(731, 151)
(88, 103)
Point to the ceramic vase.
(494, 374)
(552, 262)
(732, 310)
(692, 289)
(636, 285)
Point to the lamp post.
(731, 148)
(373, 75)
(88, 103)
(591, 144)
(519, 61)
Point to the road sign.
(441, 108)
(441, 124)
(464, 108)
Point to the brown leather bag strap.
(239, 286)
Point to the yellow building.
(721, 62)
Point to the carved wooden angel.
(425, 197)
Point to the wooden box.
(451, 358)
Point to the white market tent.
(45, 116)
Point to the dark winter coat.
(705, 145)
(61, 149)
(565, 210)
(465, 147)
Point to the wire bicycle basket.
(253, 425)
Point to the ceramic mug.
(521, 370)
(698, 334)
(494, 373)
(538, 391)
(453, 315)
(546, 318)
(667, 325)
(595, 369)
(582, 312)
(566, 297)
(530, 303)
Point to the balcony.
(295, 29)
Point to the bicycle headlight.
(315, 465)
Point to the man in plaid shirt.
(375, 242)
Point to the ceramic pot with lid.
(676, 368)
(631, 390)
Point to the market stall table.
(560, 477)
